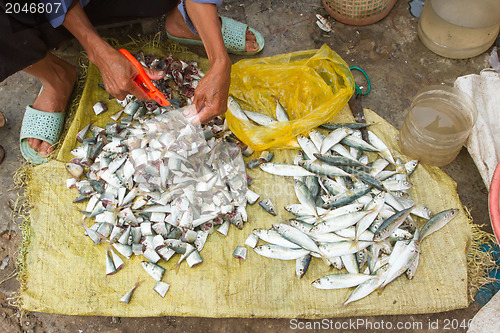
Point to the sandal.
(233, 34)
(46, 126)
(2, 154)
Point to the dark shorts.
(26, 38)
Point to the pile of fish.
(154, 187)
(353, 213)
(179, 81)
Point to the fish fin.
(368, 253)
(354, 244)
(382, 286)
(138, 283)
(324, 258)
(102, 238)
(356, 235)
(176, 267)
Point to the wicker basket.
(358, 12)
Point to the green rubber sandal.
(45, 126)
(233, 34)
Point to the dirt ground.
(398, 65)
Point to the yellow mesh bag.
(312, 85)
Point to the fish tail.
(138, 283)
(354, 244)
(356, 235)
(176, 267)
(325, 260)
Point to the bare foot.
(175, 25)
(58, 79)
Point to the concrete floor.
(389, 51)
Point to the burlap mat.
(65, 273)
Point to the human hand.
(210, 96)
(117, 72)
(118, 75)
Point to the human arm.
(211, 93)
(116, 71)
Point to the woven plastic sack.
(312, 86)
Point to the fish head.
(452, 213)
(413, 164)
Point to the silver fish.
(110, 266)
(375, 205)
(74, 170)
(342, 248)
(339, 281)
(342, 151)
(80, 136)
(350, 234)
(259, 118)
(410, 272)
(240, 253)
(268, 206)
(334, 138)
(281, 114)
(402, 262)
(285, 169)
(410, 167)
(308, 147)
(366, 288)
(322, 168)
(339, 222)
(126, 298)
(296, 236)
(301, 265)
(380, 145)
(331, 186)
(305, 197)
(252, 240)
(273, 237)
(155, 271)
(377, 166)
(194, 258)
(353, 141)
(161, 288)
(350, 262)
(317, 138)
(299, 210)
(437, 222)
(396, 185)
(323, 24)
(391, 224)
(346, 197)
(280, 252)
(235, 109)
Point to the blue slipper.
(46, 126)
(233, 34)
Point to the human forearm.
(211, 94)
(206, 21)
(77, 23)
(117, 72)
